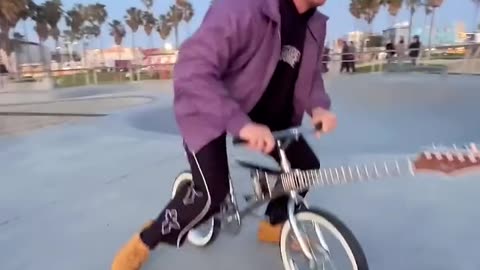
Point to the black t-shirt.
(275, 107)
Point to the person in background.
(400, 49)
(325, 59)
(414, 49)
(345, 58)
(390, 50)
(353, 52)
(3, 74)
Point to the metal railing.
(375, 60)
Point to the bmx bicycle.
(269, 184)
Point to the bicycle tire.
(334, 225)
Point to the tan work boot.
(133, 254)
(269, 233)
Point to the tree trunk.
(412, 11)
(45, 65)
(176, 35)
(150, 41)
(101, 50)
(476, 23)
(425, 26)
(25, 32)
(432, 21)
(134, 57)
(87, 73)
(59, 53)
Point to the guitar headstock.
(448, 160)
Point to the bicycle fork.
(295, 199)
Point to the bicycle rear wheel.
(314, 224)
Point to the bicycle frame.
(231, 212)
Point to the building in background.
(396, 32)
(117, 56)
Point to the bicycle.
(269, 184)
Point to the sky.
(340, 23)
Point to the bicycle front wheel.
(332, 245)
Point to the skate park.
(75, 189)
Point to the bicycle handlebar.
(282, 134)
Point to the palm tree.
(134, 19)
(366, 10)
(433, 4)
(355, 9)
(75, 19)
(11, 12)
(428, 11)
(53, 14)
(175, 17)
(96, 15)
(43, 31)
(164, 27)
(148, 4)
(412, 5)
(41, 24)
(149, 23)
(188, 11)
(393, 6)
(117, 31)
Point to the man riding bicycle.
(251, 68)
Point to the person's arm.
(202, 62)
(318, 96)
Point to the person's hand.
(258, 137)
(327, 119)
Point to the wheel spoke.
(318, 230)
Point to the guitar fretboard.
(301, 180)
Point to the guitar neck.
(301, 180)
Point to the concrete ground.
(72, 193)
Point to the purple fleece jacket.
(223, 69)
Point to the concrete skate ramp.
(70, 196)
(397, 112)
(383, 113)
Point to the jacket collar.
(271, 8)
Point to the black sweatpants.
(210, 171)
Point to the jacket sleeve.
(318, 95)
(201, 64)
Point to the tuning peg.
(473, 148)
(472, 157)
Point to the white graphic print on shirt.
(290, 55)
